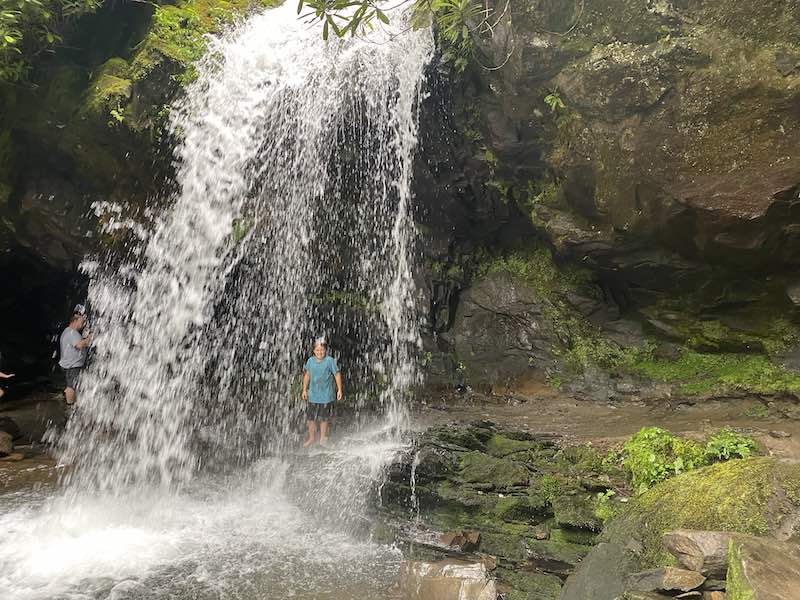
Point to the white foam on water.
(225, 537)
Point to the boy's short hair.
(320, 341)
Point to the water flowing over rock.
(291, 221)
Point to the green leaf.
(300, 6)
(325, 31)
(382, 16)
(9, 39)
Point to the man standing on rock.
(73, 348)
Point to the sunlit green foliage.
(727, 444)
(654, 454)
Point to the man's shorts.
(71, 375)
(319, 412)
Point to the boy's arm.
(6, 375)
(339, 391)
(306, 379)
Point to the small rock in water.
(14, 457)
(780, 434)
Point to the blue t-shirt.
(321, 372)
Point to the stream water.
(291, 220)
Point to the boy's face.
(319, 351)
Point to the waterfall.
(292, 219)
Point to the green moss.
(701, 373)
(176, 36)
(347, 298)
(498, 473)
(531, 586)
(501, 446)
(523, 509)
(736, 585)
(580, 537)
(109, 90)
(510, 547)
(576, 511)
(738, 495)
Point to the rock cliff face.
(653, 144)
(608, 195)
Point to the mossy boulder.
(755, 496)
(109, 90)
(496, 473)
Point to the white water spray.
(292, 219)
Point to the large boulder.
(501, 329)
(753, 496)
(601, 575)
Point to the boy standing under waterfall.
(320, 373)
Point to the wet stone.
(446, 579)
(465, 541)
(665, 579)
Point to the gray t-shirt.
(71, 357)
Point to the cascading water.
(292, 220)
(294, 171)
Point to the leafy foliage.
(726, 444)
(455, 20)
(604, 508)
(654, 454)
(27, 27)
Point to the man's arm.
(339, 391)
(84, 342)
(6, 375)
(306, 379)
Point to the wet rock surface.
(762, 569)
(506, 488)
(446, 579)
(703, 551)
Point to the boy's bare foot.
(323, 441)
(308, 442)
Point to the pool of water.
(232, 536)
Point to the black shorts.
(319, 412)
(71, 375)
